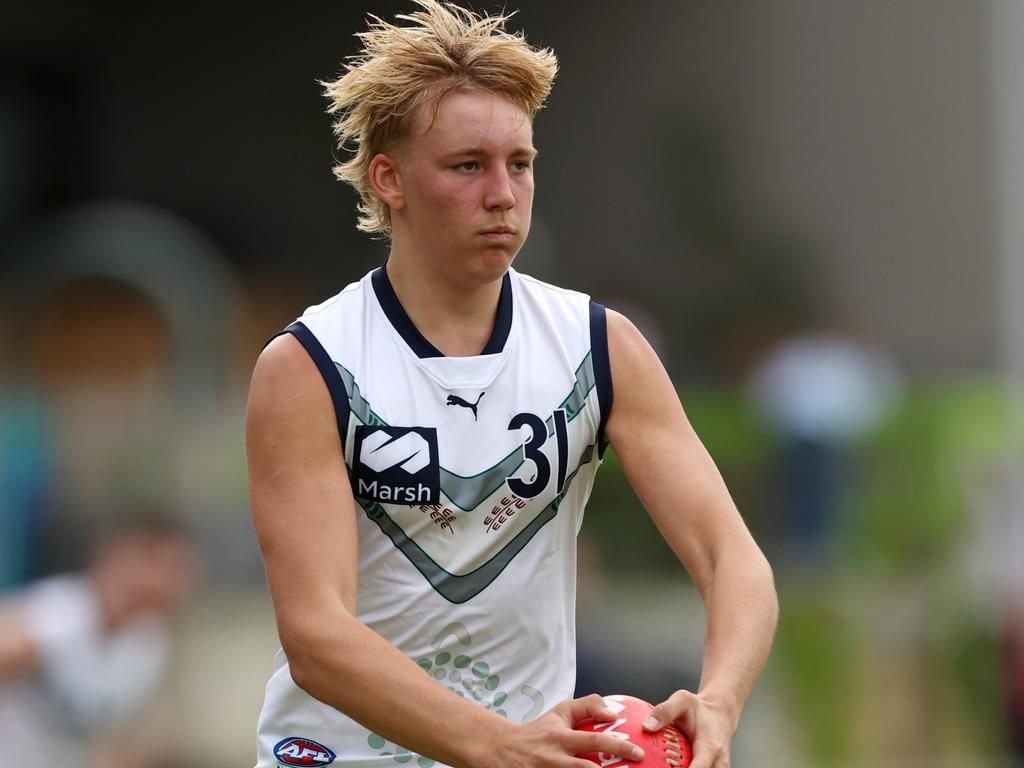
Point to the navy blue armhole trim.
(602, 368)
(329, 372)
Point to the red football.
(667, 748)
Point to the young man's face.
(468, 186)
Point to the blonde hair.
(403, 69)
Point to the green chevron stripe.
(459, 589)
(577, 398)
(467, 493)
(356, 402)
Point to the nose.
(499, 195)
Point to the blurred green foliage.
(903, 518)
(910, 509)
(626, 539)
(971, 658)
(818, 652)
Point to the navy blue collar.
(417, 342)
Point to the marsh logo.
(298, 751)
(397, 465)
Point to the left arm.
(682, 490)
(17, 652)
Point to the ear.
(386, 179)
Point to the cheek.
(449, 196)
(524, 189)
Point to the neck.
(457, 319)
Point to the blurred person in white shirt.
(81, 653)
(820, 390)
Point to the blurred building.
(855, 138)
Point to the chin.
(494, 263)
(489, 256)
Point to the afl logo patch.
(298, 751)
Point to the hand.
(550, 741)
(708, 724)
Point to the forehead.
(469, 118)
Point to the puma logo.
(456, 400)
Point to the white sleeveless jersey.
(470, 476)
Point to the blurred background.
(811, 207)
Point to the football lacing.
(671, 747)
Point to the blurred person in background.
(81, 653)
(819, 390)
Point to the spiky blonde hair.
(404, 69)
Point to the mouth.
(499, 233)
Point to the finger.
(570, 761)
(591, 741)
(709, 754)
(703, 760)
(579, 762)
(589, 706)
(677, 707)
(567, 761)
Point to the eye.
(469, 165)
(522, 165)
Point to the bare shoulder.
(282, 362)
(289, 410)
(285, 381)
(626, 345)
(641, 385)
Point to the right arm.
(305, 519)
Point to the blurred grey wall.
(852, 137)
(866, 127)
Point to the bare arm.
(17, 653)
(682, 490)
(305, 518)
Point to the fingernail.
(652, 723)
(637, 753)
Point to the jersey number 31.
(533, 451)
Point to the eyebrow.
(481, 152)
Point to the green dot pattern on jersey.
(463, 676)
(467, 677)
(400, 755)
